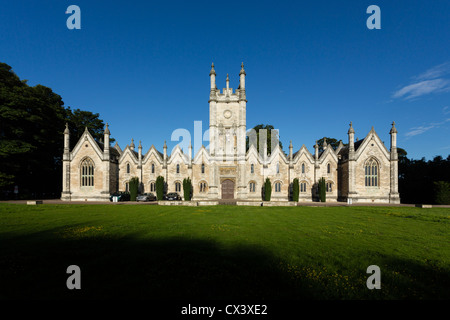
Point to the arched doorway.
(227, 189)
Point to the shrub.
(322, 190)
(295, 190)
(442, 192)
(187, 189)
(267, 190)
(159, 188)
(134, 186)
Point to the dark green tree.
(442, 192)
(159, 188)
(187, 189)
(334, 143)
(322, 190)
(32, 121)
(78, 121)
(134, 188)
(267, 190)
(269, 131)
(295, 190)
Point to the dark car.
(121, 196)
(172, 196)
(146, 197)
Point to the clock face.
(227, 114)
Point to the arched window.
(371, 173)
(203, 186)
(302, 187)
(328, 168)
(178, 168)
(127, 187)
(177, 186)
(152, 186)
(153, 168)
(278, 168)
(303, 168)
(277, 186)
(252, 186)
(128, 168)
(329, 187)
(252, 168)
(203, 168)
(87, 173)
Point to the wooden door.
(227, 189)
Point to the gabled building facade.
(362, 171)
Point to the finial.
(290, 144)
(106, 129)
(66, 131)
(228, 79)
(212, 70)
(165, 145)
(242, 69)
(351, 130)
(393, 129)
(132, 143)
(140, 145)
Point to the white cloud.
(423, 87)
(430, 81)
(435, 72)
(421, 129)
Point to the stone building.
(362, 171)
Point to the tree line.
(32, 122)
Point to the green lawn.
(145, 251)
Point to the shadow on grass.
(34, 267)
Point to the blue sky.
(312, 66)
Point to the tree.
(322, 190)
(267, 190)
(78, 121)
(31, 135)
(295, 190)
(442, 192)
(269, 131)
(134, 187)
(187, 189)
(159, 188)
(334, 143)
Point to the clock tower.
(227, 133)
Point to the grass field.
(216, 252)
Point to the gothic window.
(177, 186)
(203, 168)
(277, 186)
(203, 187)
(329, 186)
(127, 187)
(371, 173)
(252, 168)
(303, 168)
(153, 168)
(302, 187)
(87, 173)
(128, 168)
(278, 168)
(152, 186)
(252, 186)
(178, 168)
(328, 168)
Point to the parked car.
(146, 197)
(121, 196)
(172, 196)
